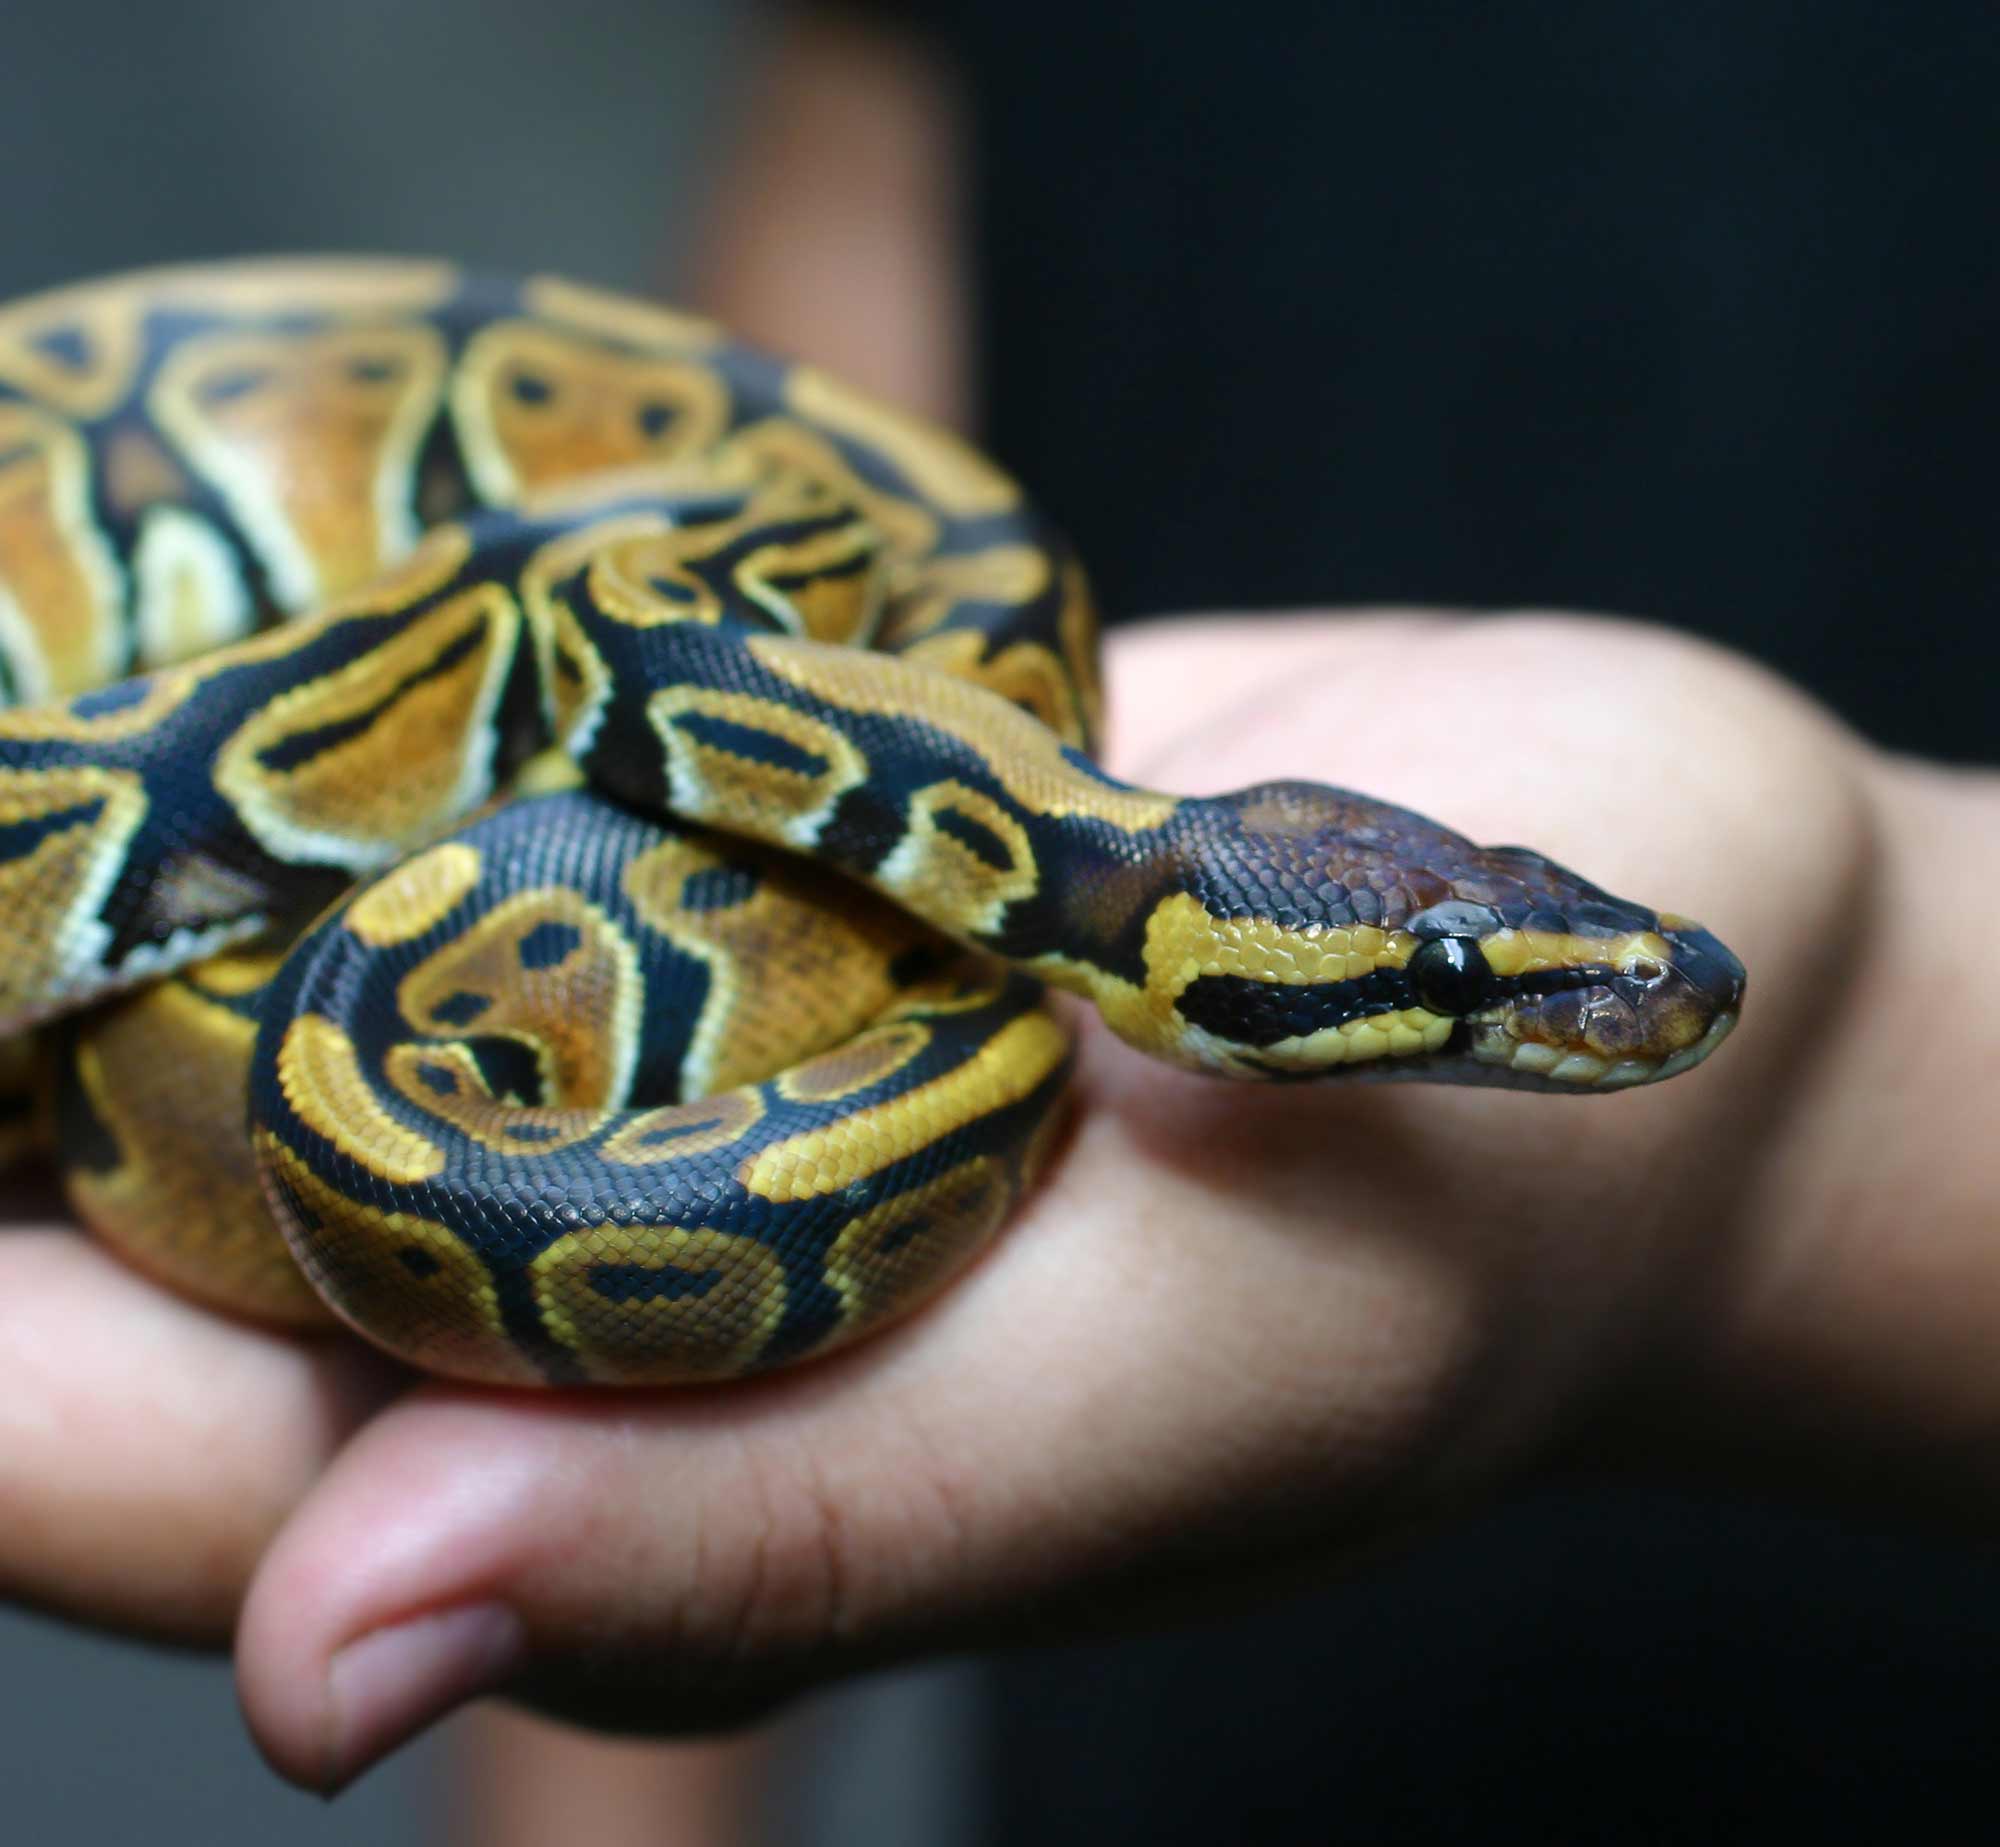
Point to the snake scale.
(604, 807)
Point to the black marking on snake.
(638, 1282)
(672, 590)
(855, 564)
(461, 1008)
(84, 1137)
(676, 1131)
(374, 369)
(919, 963)
(301, 747)
(866, 825)
(20, 838)
(119, 697)
(975, 836)
(752, 744)
(237, 382)
(68, 345)
(548, 945)
(655, 420)
(1265, 1012)
(530, 388)
(439, 1080)
(507, 1068)
(420, 1263)
(532, 1132)
(719, 888)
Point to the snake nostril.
(1645, 969)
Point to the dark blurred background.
(1686, 311)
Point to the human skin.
(1241, 1335)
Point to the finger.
(148, 1448)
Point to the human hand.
(1241, 1333)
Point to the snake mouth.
(1620, 1033)
(1538, 1066)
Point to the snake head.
(1349, 937)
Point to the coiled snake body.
(694, 755)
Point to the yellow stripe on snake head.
(1524, 952)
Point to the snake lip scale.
(541, 832)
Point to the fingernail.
(388, 1685)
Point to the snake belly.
(603, 804)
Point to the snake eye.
(1450, 976)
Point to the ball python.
(545, 833)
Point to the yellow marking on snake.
(679, 1131)
(412, 719)
(689, 1303)
(550, 971)
(1522, 952)
(322, 1078)
(1024, 756)
(855, 1067)
(895, 1251)
(53, 561)
(949, 473)
(163, 1071)
(784, 801)
(604, 315)
(788, 976)
(1026, 675)
(1002, 1071)
(933, 865)
(405, 1280)
(535, 405)
(312, 440)
(80, 820)
(417, 896)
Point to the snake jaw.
(1613, 1028)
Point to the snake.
(545, 834)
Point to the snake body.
(604, 804)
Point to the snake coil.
(608, 802)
